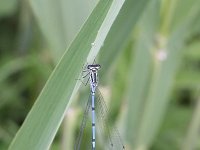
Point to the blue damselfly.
(99, 112)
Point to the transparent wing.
(78, 144)
(110, 135)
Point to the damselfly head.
(94, 67)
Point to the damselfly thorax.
(93, 71)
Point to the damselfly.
(110, 137)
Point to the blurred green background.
(157, 71)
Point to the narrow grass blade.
(140, 70)
(191, 140)
(15, 65)
(164, 72)
(121, 31)
(60, 22)
(42, 122)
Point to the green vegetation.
(150, 77)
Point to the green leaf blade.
(42, 122)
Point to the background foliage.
(150, 73)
